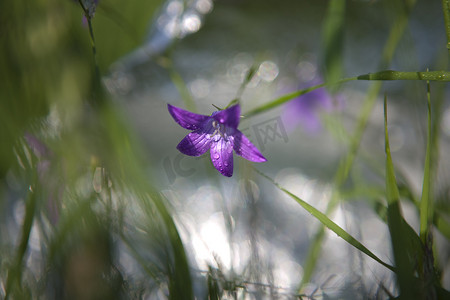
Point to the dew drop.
(226, 164)
(221, 120)
(216, 156)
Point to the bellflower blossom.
(217, 133)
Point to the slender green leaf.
(346, 162)
(15, 273)
(442, 225)
(446, 11)
(329, 223)
(285, 98)
(400, 75)
(333, 38)
(425, 202)
(385, 75)
(399, 237)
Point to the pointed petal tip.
(227, 174)
(262, 159)
(244, 148)
(186, 119)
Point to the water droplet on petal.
(226, 164)
(222, 120)
(216, 156)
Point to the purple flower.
(217, 133)
(305, 109)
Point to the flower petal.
(222, 156)
(230, 117)
(187, 119)
(195, 143)
(246, 149)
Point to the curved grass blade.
(329, 223)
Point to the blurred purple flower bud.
(54, 191)
(305, 110)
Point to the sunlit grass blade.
(399, 236)
(333, 39)
(329, 223)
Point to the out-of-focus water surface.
(244, 225)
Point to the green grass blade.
(329, 223)
(425, 202)
(443, 76)
(125, 162)
(396, 226)
(285, 98)
(179, 83)
(13, 282)
(333, 38)
(385, 75)
(182, 89)
(446, 11)
(346, 162)
(442, 225)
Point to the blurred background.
(97, 202)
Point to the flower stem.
(91, 36)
